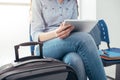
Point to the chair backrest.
(32, 47)
(95, 33)
(103, 32)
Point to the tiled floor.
(110, 71)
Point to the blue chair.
(104, 37)
(100, 34)
(32, 47)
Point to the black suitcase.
(36, 67)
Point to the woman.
(75, 48)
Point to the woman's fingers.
(65, 33)
(64, 30)
(62, 27)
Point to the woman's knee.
(72, 58)
(75, 61)
(80, 37)
(84, 37)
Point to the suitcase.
(36, 67)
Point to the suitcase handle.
(16, 47)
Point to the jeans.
(79, 51)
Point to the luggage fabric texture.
(36, 67)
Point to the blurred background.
(14, 27)
(14, 24)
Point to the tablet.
(82, 25)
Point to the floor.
(110, 71)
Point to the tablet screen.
(82, 25)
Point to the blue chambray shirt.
(47, 15)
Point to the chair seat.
(110, 62)
(112, 52)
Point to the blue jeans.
(79, 51)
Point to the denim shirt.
(47, 15)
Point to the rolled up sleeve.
(37, 23)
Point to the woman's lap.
(57, 48)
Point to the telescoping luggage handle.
(16, 47)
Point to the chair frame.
(104, 32)
(104, 36)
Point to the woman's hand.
(64, 30)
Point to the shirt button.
(66, 8)
(61, 15)
(45, 7)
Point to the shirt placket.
(60, 12)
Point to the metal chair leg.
(117, 72)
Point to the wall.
(109, 10)
(14, 29)
(87, 9)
